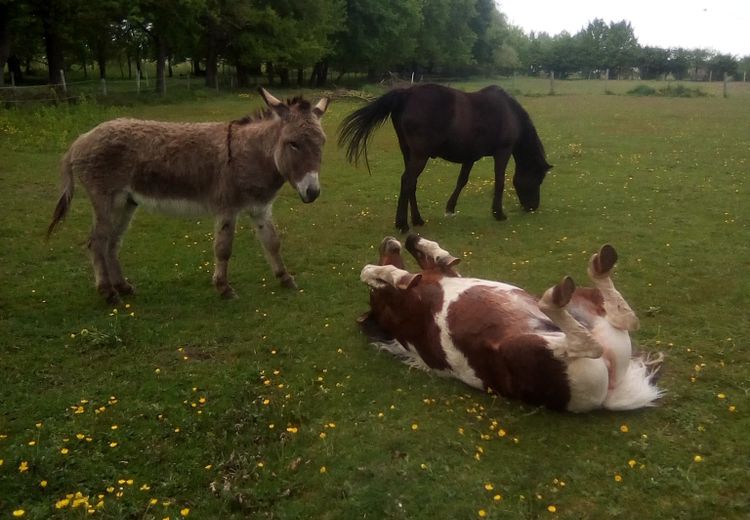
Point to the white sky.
(720, 25)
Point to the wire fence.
(103, 89)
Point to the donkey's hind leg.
(223, 239)
(618, 312)
(577, 342)
(99, 247)
(122, 214)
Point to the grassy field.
(274, 406)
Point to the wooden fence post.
(64, 85)
(552, 83)
(104, 87)
(137, 81)
(725, 83)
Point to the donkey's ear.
(270, 100)
(321, 107)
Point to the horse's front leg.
(269, 239)
(463, 178)
(223, 238)
(408, 194)
(501, 162)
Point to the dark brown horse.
(437, 121)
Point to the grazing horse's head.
(528, 183)
(299, 149)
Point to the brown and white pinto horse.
(568, 350)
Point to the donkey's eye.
(293, 145)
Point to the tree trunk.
(196, 67)
(169, 67)
(269, 72)
(284, 76)
(52, 46)
(212, 63)
(161, 57)
(101, 60)
(4, 39)
(300, 76)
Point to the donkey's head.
(299, 149)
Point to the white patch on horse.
(588, 380)
(453, 288)
(406, 353)
(178, 207)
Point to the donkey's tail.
(529, 150)
(66, 195)
(357, 128)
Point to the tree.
(722, 64)
(441, 18)
(653, 62)
(593, 45)
(620, 46)
(379, 35)
(491, 29)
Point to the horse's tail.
(357, 128)
(66, 195)
(529, 150)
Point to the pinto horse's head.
(298, 152)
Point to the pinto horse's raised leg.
(269, 239)
(223, 239)
(578, 341)
(408, 193)
(501, 163)
(618, 312)
(463, 178)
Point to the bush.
(668, 91)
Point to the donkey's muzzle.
(310, 194)
(309, 187)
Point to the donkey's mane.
(261, 115)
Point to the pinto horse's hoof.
(603, 261)
(563, 292)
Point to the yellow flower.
(62, 503)
(415, 426)
(184, 511)
(721, 396)
(632, 463)
(497, 498)
(32, 443)
(489, 487)
(112, 444)
(23, 467)
(153, 502)
(732, 408)
(64, 451)
(322, 435)
(323, 469)
(110, 489)
(482, 513)
(624, 428)
(698, 458)
(551, 509)
(43, 483)
(618, 477)
(80, 436)
(113, 427)
(208, 466)
(292, 429)
(18, 513)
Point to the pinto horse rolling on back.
(437, 121)
(568, 350)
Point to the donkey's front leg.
(266, 231)
(223, 238)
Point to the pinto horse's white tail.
(638, 388)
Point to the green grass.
(233, 409)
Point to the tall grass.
(274, 406)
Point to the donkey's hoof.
(603, 261)
(228, 293)
(563, 292)
(287, 282)
(125, 289)
(113, 298)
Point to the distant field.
(274, 405)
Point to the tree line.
(313, 42)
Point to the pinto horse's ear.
(321, 107)
(408, 281)
(448, 261)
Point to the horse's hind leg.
(408, 193)
(577, 342)
(501, 163)
(463, 178)
(99, 247)
(269, 239)
(223, 239)
(618, 312)
(122, 214)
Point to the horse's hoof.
(450, 214)
(563, 292)
(403, 228)
(499, 216)
(605, 260)
(417, 221)
(287, 282)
